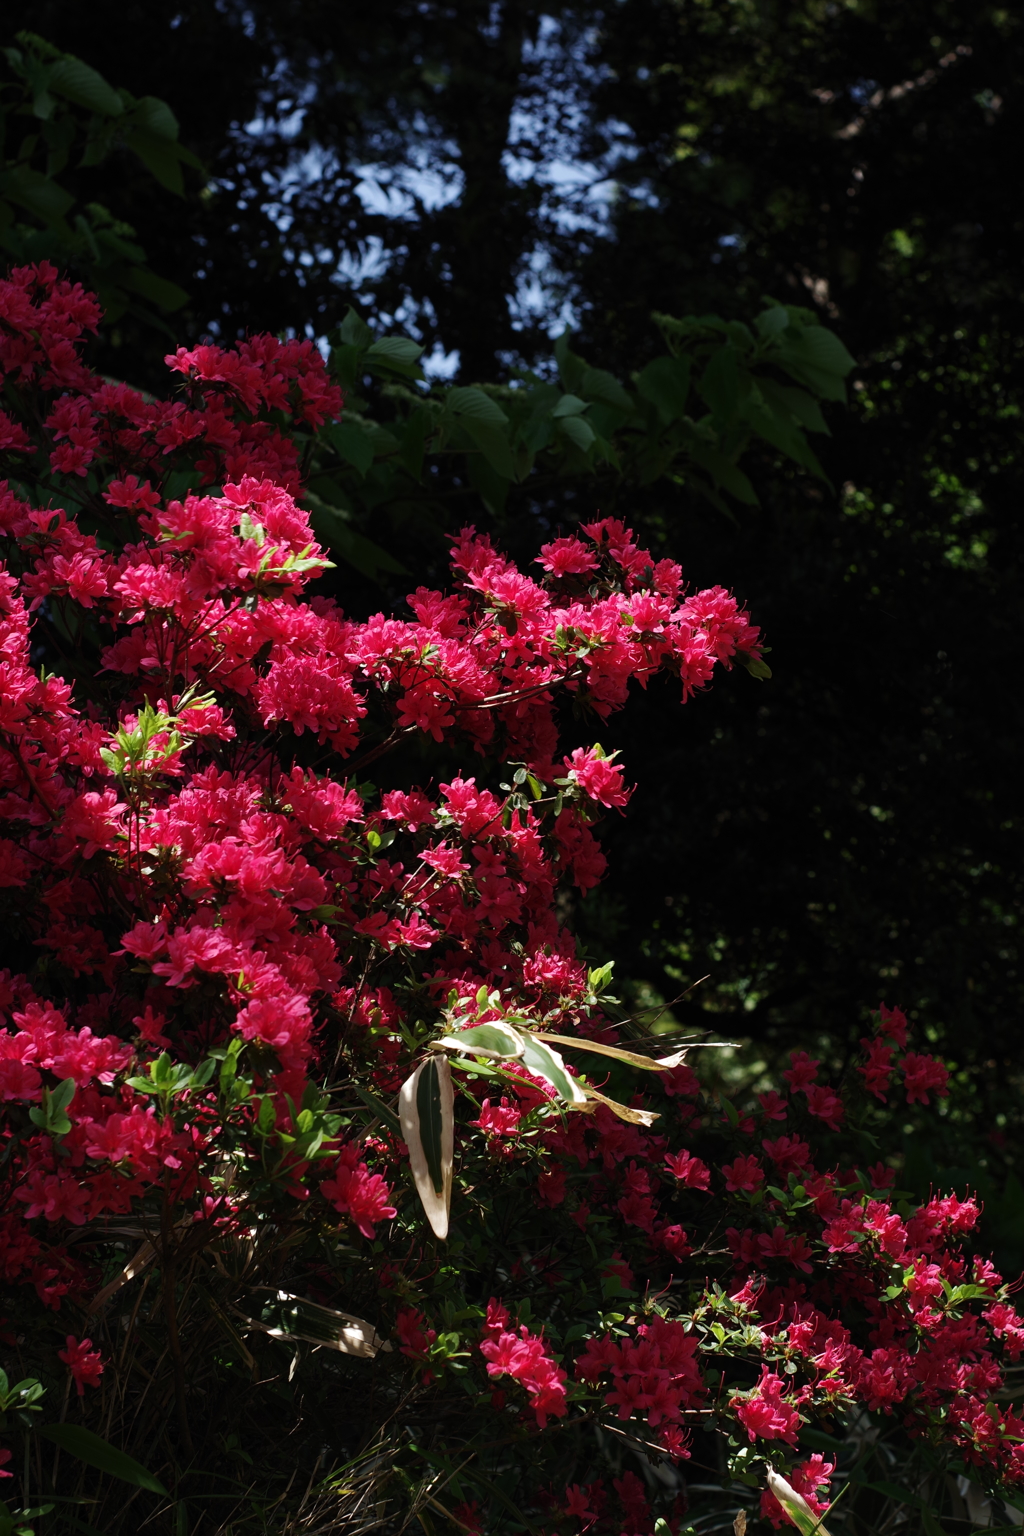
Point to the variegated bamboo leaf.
(624, 1111)
(499, 1042)
(631, 1058)
(426, 1110)
(542, 1061)
(795, 1505)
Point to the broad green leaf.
(492, 440)
(724, 472)
(73, 78)
(542, 1061)
(158, 290)
(665, 382)
(161, 157)
(817, 358)
(354, 330)
(598, 384)
(426, 1109)
(85, 1446)
(571, 368)
(499, 1041)
(333, 530)
(413, 441)
(396, 354)
(801, 404)
(569, 405)
(772, 322)
(64, 1092)
(38, 193)
(719, 384)
(578, 431)
(777, 427)
(156, 116)
(466, 400)
(351, 442)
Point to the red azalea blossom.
(84, 1363)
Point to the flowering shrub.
(229, 950)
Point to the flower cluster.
(658, 1373)
(523, 1357)
(230, 954)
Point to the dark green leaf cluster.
(56, 111)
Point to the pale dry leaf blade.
(625, 1112)
(631, 1058)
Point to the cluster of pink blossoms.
(522, 1356)
(200, 886)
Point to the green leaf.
(777, 427)
(578, 431)
(351, 443)
(772, 322)
(159, 290)
(64, 1092)
(380, 1109)
(354, 331)
(85, 1446)
(598, 384)
(569, 405)
(156, 117)
(797, 401)
(665, 382)
(719, 385)
(724, 472)
(333, 530)
(571, 368)
(492, 441)
(74, 79)
(160, 156)
(38, 193)
(817, 358)
(468, 401)
(396, 354)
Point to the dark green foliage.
(58, 113)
